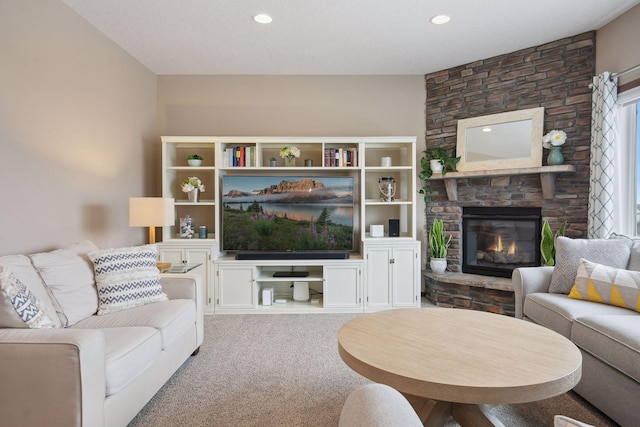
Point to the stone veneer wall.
(555, 76)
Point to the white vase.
(194, 162)
(194, 195)
(438, 265)
(436, 166)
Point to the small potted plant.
(439, 244)
(194, 160)
(443, 160)
(273, 162)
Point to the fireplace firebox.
(498, 239)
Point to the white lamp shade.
(151, 212)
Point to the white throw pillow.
(69, 274)
(21, 266)
(127, 278)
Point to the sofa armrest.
(53, 377)
(186, 286)
(528, 280)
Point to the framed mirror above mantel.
(502, 144)
(510, 140)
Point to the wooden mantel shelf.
(547, 178)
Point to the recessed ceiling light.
(262, 18)
(440, 19)
(486, 129)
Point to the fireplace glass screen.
(497, 240)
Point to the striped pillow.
(607, 285)
(27, 310)
(126, 278)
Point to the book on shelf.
(340, 157)
(240, 156)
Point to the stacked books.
(340, 157)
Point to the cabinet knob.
(392, 261)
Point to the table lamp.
(151, 212)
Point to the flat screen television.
(285, 213)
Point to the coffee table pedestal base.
(435, 413)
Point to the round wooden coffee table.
(449, 362)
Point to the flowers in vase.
(554, 138)
(290, 152)
(192, 183)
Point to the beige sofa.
(608, 336)
(72, 367)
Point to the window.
(628, 161)
(637, 165)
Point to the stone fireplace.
(555, 76)
(498, 239)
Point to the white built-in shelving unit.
(357, 284)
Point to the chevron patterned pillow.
(607, 285)
(126, 278)
(26, 311)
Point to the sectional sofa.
(591, 297)
(88, 336)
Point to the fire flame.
(499, 247)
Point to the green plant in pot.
(548, 242)
(439, 244)
(194, 160)
(439, 160)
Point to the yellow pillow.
(607, 285)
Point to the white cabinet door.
(392, 275)
(342, 286)
(378, 260)
(185, 255)
(202, 256)
(172, 255)
(235, 287)
(406, 272)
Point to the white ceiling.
(335, 36)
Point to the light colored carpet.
(284, 370)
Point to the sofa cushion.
(127, 278)
(611, 252)
(614, 339)
(170, 317)
(607, 285)
(634, 257)
(21, 266)
(19, 307)
(128, 353)
(68, 272)
(557, 311)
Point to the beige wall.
(78, 126)
(294, 106)
(618, 45)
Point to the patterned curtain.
(603, 131)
